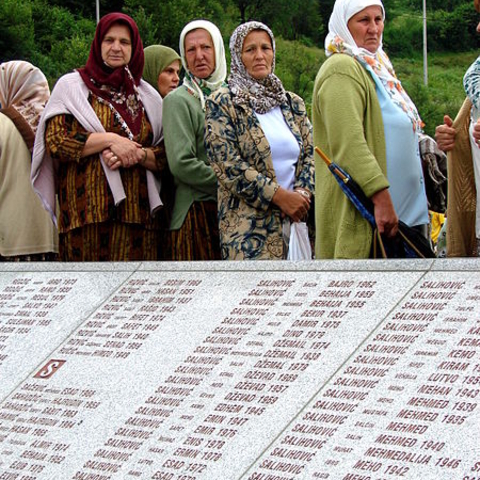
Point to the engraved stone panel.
(259, 371)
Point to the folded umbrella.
(408, 243)
(351, 189)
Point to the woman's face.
(200, 53)
(366, 28)
(169, 78)
(117, 46)
(257, 54)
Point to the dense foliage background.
(55, 35)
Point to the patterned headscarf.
(118, 86)
(340, 40)
(157, 59)
(199, 87)
(25, 88)
(263, 95)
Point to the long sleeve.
(183, 127)
(65, 138)
(232, 156)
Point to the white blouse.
(283, 145)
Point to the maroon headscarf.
(107, 83)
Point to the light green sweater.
(184, 126)
(348, 127)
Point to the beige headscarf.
(25, 88)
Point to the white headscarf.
(340, 40)
(343, 11)
(197, 86)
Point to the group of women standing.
(239, 151)
(108, 146)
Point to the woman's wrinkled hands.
(385, 215)
(445, 134)
(295, 204)
(123, 153)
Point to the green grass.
(444, 93)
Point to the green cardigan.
(348, 127)
(184, 126)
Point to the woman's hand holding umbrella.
(385, 217)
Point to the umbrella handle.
(329, 164)
(324, 156)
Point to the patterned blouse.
(83, 192)
(238, 150)
(471, 82)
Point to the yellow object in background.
(436, 221)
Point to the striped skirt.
(109, 242)
(33, 257)
(198, 237)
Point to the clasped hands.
(123, 153)
(294, 204)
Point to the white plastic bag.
(299, 244)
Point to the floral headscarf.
(118, 86)
(25, 88)
(340, 40)
(263, 95)
(199, 87)
(157, 59)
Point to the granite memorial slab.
(259, 371)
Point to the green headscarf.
(157, 58)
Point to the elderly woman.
(461, 139)
(26, 230)
(365, 121)
(99, 142)
(258, 140)
(194, 223)
(162, 68)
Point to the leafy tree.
(56, 25)
(325, 8)
(16, 27)
(248, 9)
(294, 19)
(453, 31)
(297, 66)
(88, 8)
(168, 18)
(447, 5)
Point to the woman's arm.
(180, 129)
(293, 204)
(305, 171)
(343, 101)
(385, 215)
(152, 158)
(68, 141)
(235, 172)
(65, 138)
